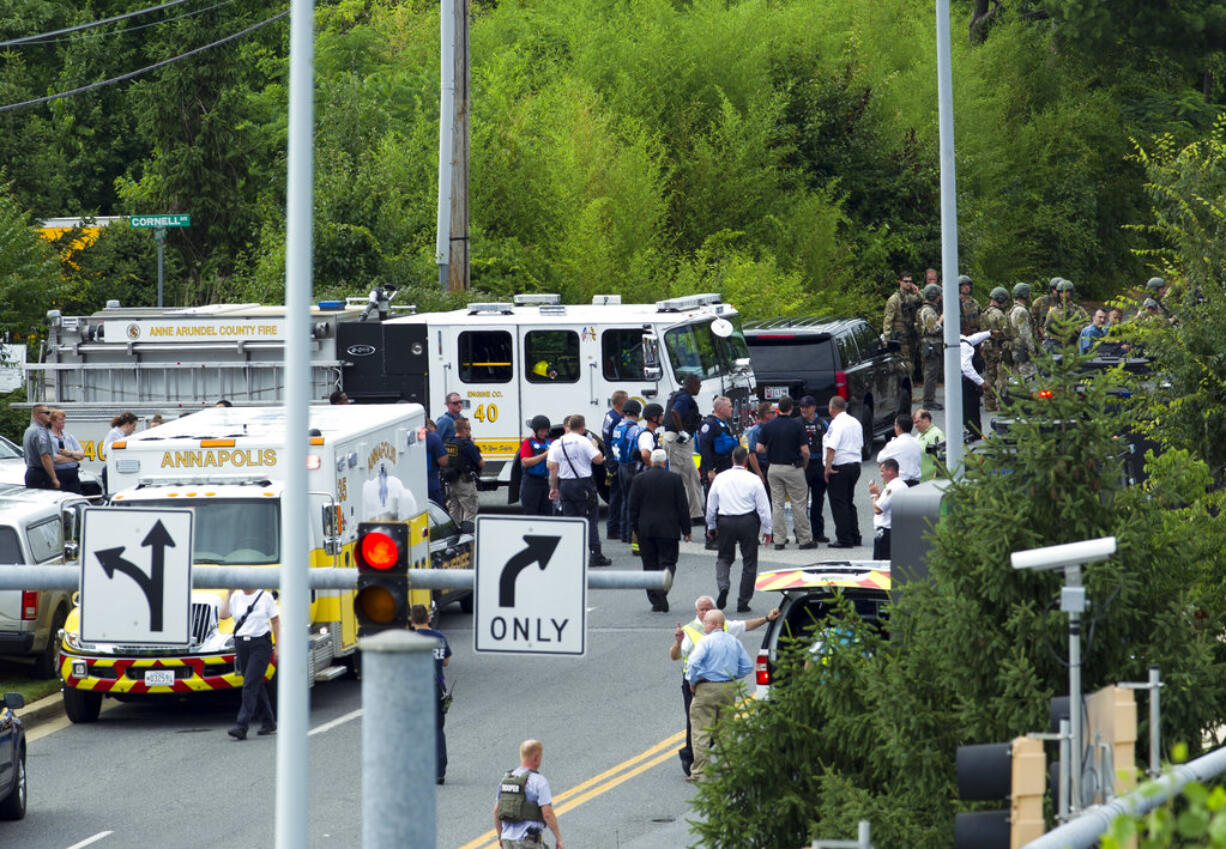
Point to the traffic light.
(382, 554)
(1015, 771)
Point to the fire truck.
(364, 464)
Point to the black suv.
(822, 357)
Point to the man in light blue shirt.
(714, 666)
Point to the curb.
(42, 711)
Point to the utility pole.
(451, 247)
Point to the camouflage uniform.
(1063, 324)
(932, 344)
(899, 324)
(1021, 342)
(972, 315)
(996, 372)
(1038, 312)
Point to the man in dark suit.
(659, 513)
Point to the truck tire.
(82, 706)
(13, 806)
(46, 665)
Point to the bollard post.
(399, 700)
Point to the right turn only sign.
(531, 585)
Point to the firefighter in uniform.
(1020, 333)
(1065, 319)
(994, 349)
(931, 344)
(524, 808)
(901, 309)
(969, 307)
(1038, 310)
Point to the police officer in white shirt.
(737, 509)
(256, 623)
(972, 383)
(883, 498)
(905, 449)
(570, 462)
(844, 444)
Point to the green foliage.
(1197, 817)
(975, 653)
(27, 265)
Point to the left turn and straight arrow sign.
(136, 580)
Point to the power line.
(78, 39)
(91, 24)
(81, 90)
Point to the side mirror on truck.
(331, 528)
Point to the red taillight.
(379, 550)
(762, 668)
(840, 384)
(1045, 394)
(29, 604)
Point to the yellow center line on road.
(598, 784)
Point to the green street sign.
(182, 219)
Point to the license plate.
(159, 677)
(775, 392)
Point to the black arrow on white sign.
(539, 550)
(157, 540)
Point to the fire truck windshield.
(228, 531)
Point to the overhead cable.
(131, 74)
(91, 24)
(78, 39)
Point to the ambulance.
(365, 463)
(534, 355)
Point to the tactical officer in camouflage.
(970, 309)
(1065, 319)
(932, 343)
(1020, 333)
(994, 350)
(898, 326)
(1038, 310)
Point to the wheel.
(466, 604)
(13, 806)
(46, 665)
(81, 705)
(866, 424)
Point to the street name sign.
(136, 576)
(180, 219)
(530, 587)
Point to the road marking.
(340, 720)
(598, 784)
(87, 841)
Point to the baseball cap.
(808, 401)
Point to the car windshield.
(229, 531)
(9, 450)
(694, 349)
(787, 354)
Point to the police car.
(807, 598)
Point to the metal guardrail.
(25, 577)
(1085, 831)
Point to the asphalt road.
(152, 774)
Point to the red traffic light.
(379, 551)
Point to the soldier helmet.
(1000, 294)
(1066, 286)
(931, 292)
(652, 410)
(1021, 290)
(964, 280)
(1055, 283)
(1155, 283)
(632, 408)
(539, 423)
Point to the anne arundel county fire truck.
(509, 361)
(365, 463)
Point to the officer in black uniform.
(815, 473)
